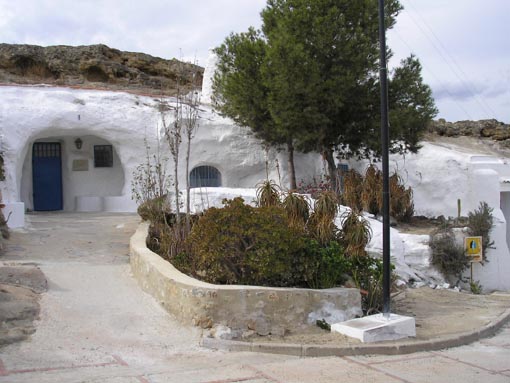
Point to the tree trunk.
(332, 170)
(177, 202)
(292, 169)
(188, 202)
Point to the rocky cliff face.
(95, 66)
(492, 129)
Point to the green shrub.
(154, 210)
(448, 255)
(240, 244)
(475, 287)
(367, 273)
(331, 267)
(480, 223)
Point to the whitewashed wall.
(30, 114)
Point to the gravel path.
(93, 308)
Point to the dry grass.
(352, 189)
(371, 190)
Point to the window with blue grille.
(205, 176)
(103, 156)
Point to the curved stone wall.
(264, 310)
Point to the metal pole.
(383, 76)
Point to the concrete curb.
(138, 247)
(393, 348)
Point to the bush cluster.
(281, 242)
(365, 193)
(240, 244)
(265, 245)
(447, 254)
(480, 223)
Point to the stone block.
(376, 328)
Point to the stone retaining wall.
(264, 310)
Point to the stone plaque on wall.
(80, 165)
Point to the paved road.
(97, 326)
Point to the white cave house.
(76, 150)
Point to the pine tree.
(309, 79)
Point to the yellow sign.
(473, 247)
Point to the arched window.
(205, 176)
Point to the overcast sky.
(464, 45)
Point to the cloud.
(470, 90)
(474, 35)
(158, 27)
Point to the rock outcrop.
(20, 289)
(493, 129)
(95, 66)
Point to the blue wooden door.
(47, 176)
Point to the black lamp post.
(383, 76)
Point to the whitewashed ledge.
(264, 310)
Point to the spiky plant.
(371, 193)
(268, 194)
(356, 233)
(408, 205)
(395, 195)
(321, 224)
(323, 230)
(352, 189)
(297, 209)
(401, 199)
(326, 204)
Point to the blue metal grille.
(103, 156)
(205, 176)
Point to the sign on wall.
(80, 165)
(473, 248)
